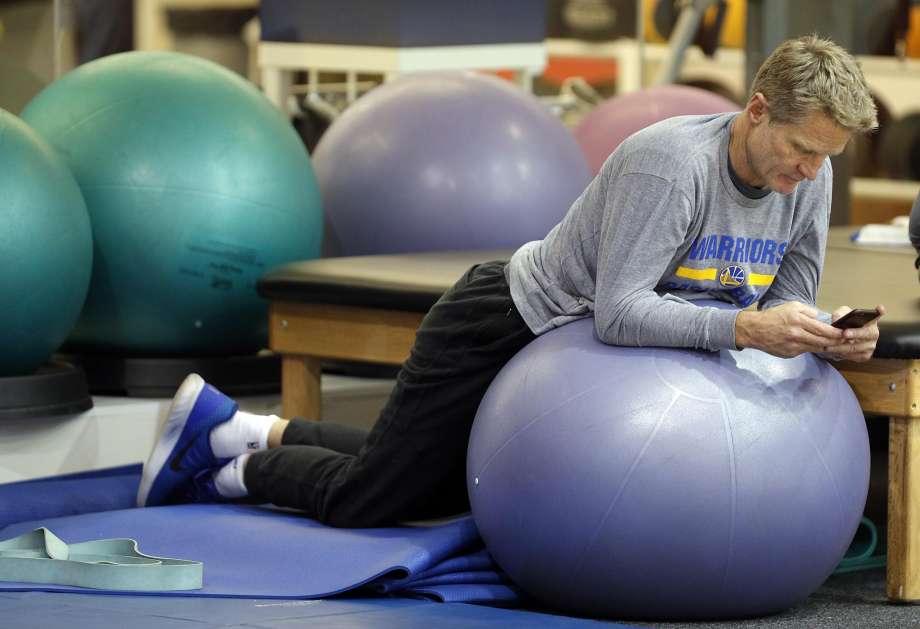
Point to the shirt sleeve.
(646, 220)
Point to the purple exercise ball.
(445, 161)
(663, 483)
(607, 125)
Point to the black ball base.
(156, 377)
(57, 388)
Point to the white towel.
(894, 234)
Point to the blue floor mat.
(41, 610)
(72, 494)
(252, 551)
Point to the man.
(732, 206)
(104, 27)
(914, 229)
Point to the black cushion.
(409, 282)
(898, 340)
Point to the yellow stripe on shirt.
(753, 279)
(696, 274)
(758, 279)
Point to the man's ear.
(758, 109)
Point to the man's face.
(782, 155)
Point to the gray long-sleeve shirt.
(663, 223)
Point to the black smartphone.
(856, 318)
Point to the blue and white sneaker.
(184, 446)
(200, 488)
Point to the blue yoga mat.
(71, 494)
(263, 552)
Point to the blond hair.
(813, 74)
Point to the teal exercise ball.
(46, 249)
(195, 185)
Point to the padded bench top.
(411, 282)
(854, 275)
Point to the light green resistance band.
(106, 564)
(862, 553)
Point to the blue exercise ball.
(663, 483)
(445, 161)
(46, 249)
(195, 185)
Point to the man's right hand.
(786, 330)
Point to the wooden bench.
(368, 309)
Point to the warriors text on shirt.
(737, 249)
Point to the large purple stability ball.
(666, 484)
(445, 161)
(607, 125)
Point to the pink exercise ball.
(611, 122)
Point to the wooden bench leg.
(300, 387)
(903, 509)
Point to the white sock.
(242, 433)
(228, 480)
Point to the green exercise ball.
(195, 184)
(46, 249)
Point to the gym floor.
(852, 600)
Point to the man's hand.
(788, 330)
(858, 343)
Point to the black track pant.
(412, 463)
